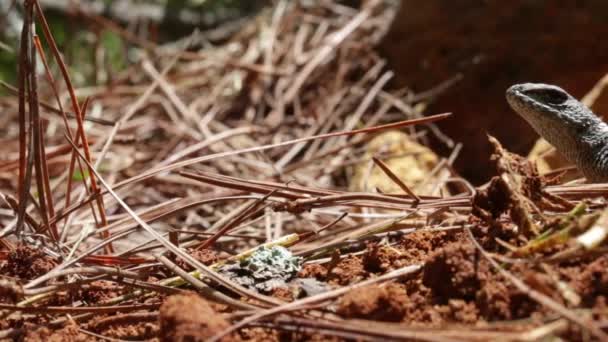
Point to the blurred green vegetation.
(79, 41)
(8, 67)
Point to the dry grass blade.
(166, 243)
(52, 109)
(187, 162)
(396, 179)
(75, 107)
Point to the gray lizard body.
(575, 131)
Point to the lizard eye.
(548, 95)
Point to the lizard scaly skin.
(572, 128)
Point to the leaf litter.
(236, 215)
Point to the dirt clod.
(316, 271)
(453, 272)
(346, 271)
(383, 303)
(188, 317)
(68, 333)
(382, 258)
(27, 263)
(593, 281)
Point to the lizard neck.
(591, 153)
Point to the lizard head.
(537, 101)
(554, 114)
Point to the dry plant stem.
(196, 275)
(327, 226)
(56, 151)
(49, 75)
(188, 242)
(42, 181)
(300, 164)
(272, 33)
(76, 284)
(209, 141)
(368, 230)
(381, 331)
(173, 207)
(76, 108)
(252, 210)
(331, 42)
(320, 249)
(100, 205)
(77, 310)
(368, 99)
(237, 184)
(237, 236)
(24, 182)
(119, 234)
(70, 177)
(41, 161)
(396, 179)
(185, 256)
(155, 171)
(205, 289)
(544, 332)
(28, 218)
(131, 110)
(351, 99)
(68, 131)
(539, 297)
(52, 109)
(317, 198)
(96, 270)
(62, 267)
(186, 113)
(296, 305)
(595, 92)
(123, 319)
(39, 294)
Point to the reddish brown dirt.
(382, 258)
(27, 263)
(382, 303)
(415, 247)
(348, 270)
(205, 256)
(283, 293)
(455, 286)
(259, 334)
(135, 328)
(69, 333)
(98, 291)
(317, 271)
(454, 271)
(188, 317)
(592, 282)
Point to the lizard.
(567, 124)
